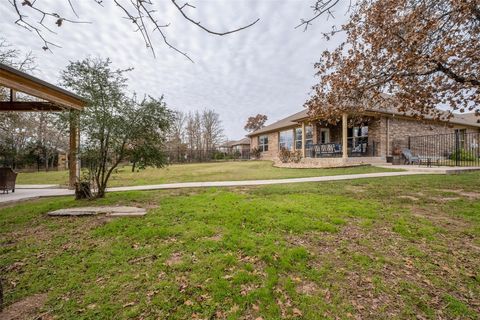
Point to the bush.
(255, 153)
(284, 155)
(219, 156)
(296, 156)
(463, 155)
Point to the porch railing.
(356, 147)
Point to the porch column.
(344, 136)
(72, 152)
(304, 152)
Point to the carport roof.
(56, 98)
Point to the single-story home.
(242, 145)
(373, 138)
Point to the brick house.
(372, 140)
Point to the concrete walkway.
(37, 191)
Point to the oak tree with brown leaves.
(422, 54)
(255, 123)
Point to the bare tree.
(194, 131)
(212, 129)
(177, 134)
(141, 13)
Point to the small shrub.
(219, 156)
(284, 155)
(236, 155)
(255, 153)
(463, 155)
(296, 156)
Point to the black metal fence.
(453, 149)
(192, 156)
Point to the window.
(285, 140)
(358, 137)
(298, 138)
(308, 137)
(263, 143)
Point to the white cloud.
(267, 68)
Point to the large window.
(358, 137)
(263, 143)
(308, 137)
(285, 140)
(298, 138)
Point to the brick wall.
(399, 129)
(272, 152)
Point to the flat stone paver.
(111, 211)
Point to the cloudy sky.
(267, 68)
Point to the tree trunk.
(100, 192)
(83, 190)
(133, 166)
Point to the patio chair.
(7, 179)
(409, 157)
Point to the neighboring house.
(239, 148)
(241, 145)
(374, 138)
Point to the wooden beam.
(40, 89)
(27, 106)
(72, 152)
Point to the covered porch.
(341, 140)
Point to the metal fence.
(192, 156)
(453, 149)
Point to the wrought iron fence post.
(457, 147)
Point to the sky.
(267, 68)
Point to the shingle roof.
(236, 142)
(240, 142)
(467, 119)
(289, 121)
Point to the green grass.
(213, 171)
(350, 249)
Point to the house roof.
(467, 119)
(23, 82)
(232, 143)
(240, 142)
(289, 121)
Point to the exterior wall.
(386, 132)
(241, 147)
(393, 132)
(272, 152)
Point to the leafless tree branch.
(140, 12)
(321, 7)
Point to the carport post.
(73, 150)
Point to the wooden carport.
(53, 99)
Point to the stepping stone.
(111, 211)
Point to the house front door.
(325, 135)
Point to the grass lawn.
(213, 171)
(399, 247)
